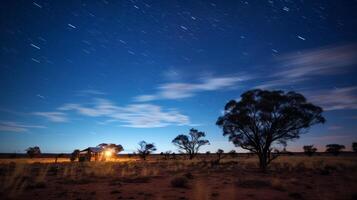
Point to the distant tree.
(167, 155)
(232, 153)
(74, 155)
(173, 155)
(115, 148)
(33, 151)
(335, 149)
(219, 154)
(262, 119)
(191, 143)
(309, 150)
(61, 155)
(354, 147)
(145, 149)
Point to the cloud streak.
(326, 61)
(52, 116)
(185, 90)
(9, 126)
(336, 99)
(322, 61)
(133, 115)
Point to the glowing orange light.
(108, 154)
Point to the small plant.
(219, 154)
(74, 155)
(179, 182)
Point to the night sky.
(75, 74)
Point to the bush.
(179, 182)
(189, 175)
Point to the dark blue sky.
(78, 73)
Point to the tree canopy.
(262, 119)
(309, 150)
(191, 143)
(145, 149)
(116, 148)
(354, 146)
(33, 151)
(334, 148)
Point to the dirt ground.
(287, 178)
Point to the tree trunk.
(263, 161)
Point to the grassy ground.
(289, 177)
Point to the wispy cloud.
(329, 137)
(334, 127)
(335, 99)
(297, 67)
(52, 116)
(185, 90)
(9, 126)
(133, 115)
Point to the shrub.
(277, 184)
(179, 182)
(189, 175)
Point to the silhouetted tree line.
(259, 122)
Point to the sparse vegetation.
(123, 175)
(145, 149)
(354, 147)
(233, 153)
(74, 155)
(219, 155)
(191, 143)
(309, 150)
(335, 149)
(33, 151)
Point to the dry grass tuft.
(277, 184)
